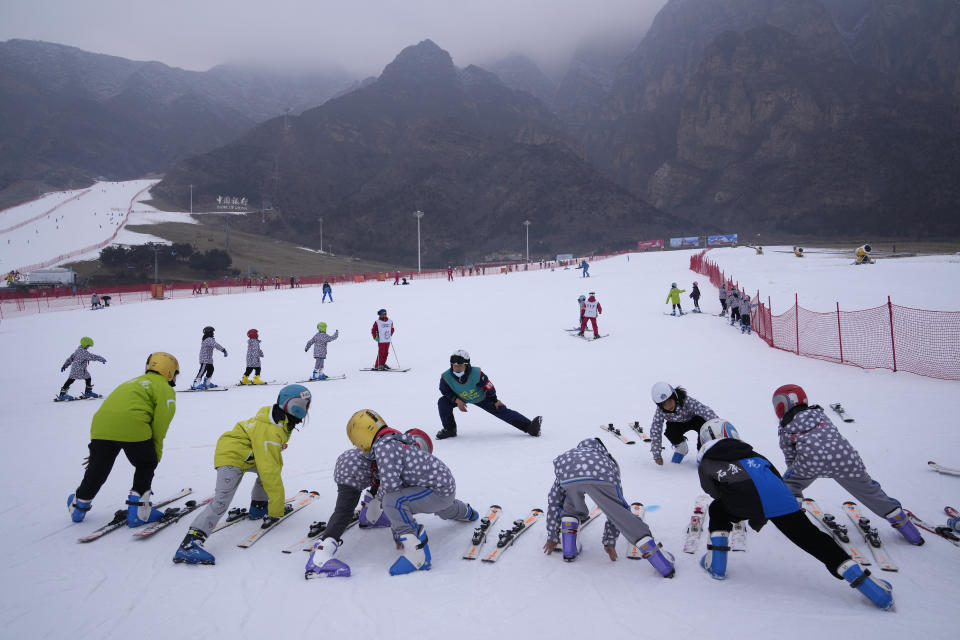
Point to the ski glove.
(224, 353)
(63, 368)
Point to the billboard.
(723, 238)
(689, 241)
(644, 245)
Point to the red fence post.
(839, 333)
(796, 319)
(893, 344)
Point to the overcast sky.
(361, 36)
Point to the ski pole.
(395, 355)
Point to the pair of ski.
(385, 370)
(871, 536)
(697, 524)
(609, 428)
(69, 398)
(507, 537)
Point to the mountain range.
(788, 117)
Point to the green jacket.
(674, 295)
(257, 444)
(139, 409)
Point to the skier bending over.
(207, 345)
(252, 445)
(463, 384)
(353, 473)
(589, 469)
(254, 353)
(78, 361)
(813, 448)
(746, 486)
(319, 342)
(682, 413)
(411, 481)
(674, 297)
(134, 419)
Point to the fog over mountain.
(359, 38)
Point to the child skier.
(814, 448)
(581, 301)
(253, 445)
(78, 361)
(357, 479)
(591, 309)
(674, 297)
(382, 332)
(589, 469)
(411, 481)
(746, 486)
(254, 353)
(733, 303)
(745, 307)
(319, 342)
(207, 345)
(723, 300)
(695, 294)
(682, 413)
(327, 292)
(134, 419)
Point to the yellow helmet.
(164, 364)
(362, 428)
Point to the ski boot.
(208, 384)
(258, 509)
(661, 560)
(88, 393)
(322, 562)
(714, 561)
(446, 433)
(257, 380)
(322, 376)
(416, 553)
(679, 452)
(901, 522)
(534, 428)
(596, 336)
(681, 311)
(569, 537)
(580, 333)
(78, 508)
(673, 313)
(245, 380)
(197, 384)
(63, 396)
(748, 329)
(385, 367)
(140, 511)
(191, 550)
(878, 591)
(743, 328)
(472, 515)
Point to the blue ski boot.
(322, 376)
(315, 375)
(64, 396)
(901, 522)
(679, 452)
(258, 509)
(90, 394)
(569, 537)
(191, 550)
(878, 591)
(78, 508)
(140, 511)
(661, 560)
(715, 559)
(471, 516)
(416, 553)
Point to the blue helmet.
(294, 399)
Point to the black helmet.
(207, 331)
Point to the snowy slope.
(512, 325)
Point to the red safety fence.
(919, 341)
(17, 302)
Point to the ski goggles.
(458, 360)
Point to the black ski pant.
(103, 453)
(205, 370)
(70, 381)
(255, 370)
(675, 430)
(799, 530)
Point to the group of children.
(739, 305)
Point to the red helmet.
(253, 333)
(787, 397)
(424, 443)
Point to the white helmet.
(581, 298)
(460, 356)
(715, 429)
(661, 392)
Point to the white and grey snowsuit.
(723, 298)
(683, 413)
(254, 353)
(413, 481)
(814, 448)
(588, 469)
(206, 350)
(745, 307)
(78, 362)
(319, 342)
(733, 303)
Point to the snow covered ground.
(512, 325)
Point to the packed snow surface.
(513, 326)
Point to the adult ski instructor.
(463, 384)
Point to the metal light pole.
(321, 234)
(156, 266)
(418, 214)
(526, 223)
(191, 199)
